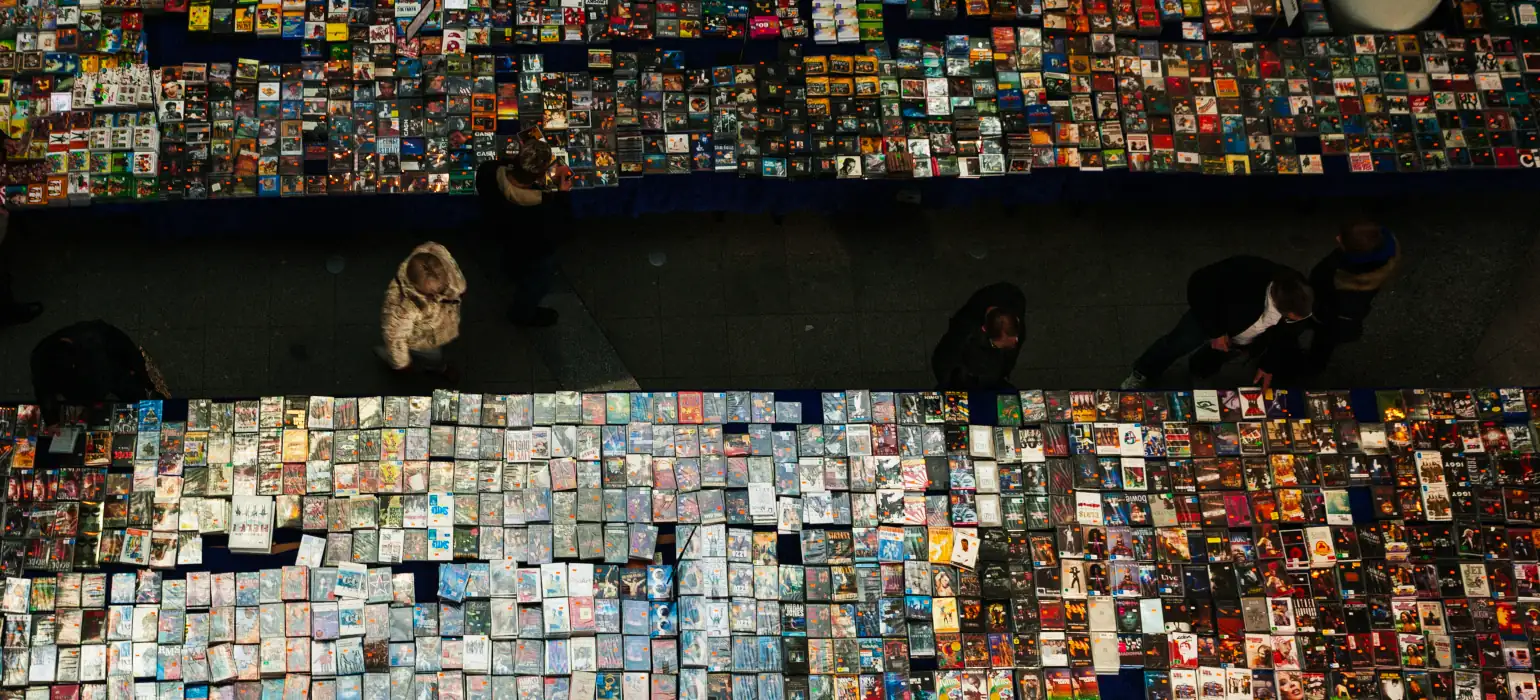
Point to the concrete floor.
(747, 301)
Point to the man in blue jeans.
(525, 202)
(1232, 304)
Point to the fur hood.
(1369, 272)
(456, 286)
(411, 321)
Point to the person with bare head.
(982, 341)
(92, 361)
(1234, 307)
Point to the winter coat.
(965, 359)
(1345, 285)
(536, 220)
(1230, 295)
(412, 321)
(92, 361)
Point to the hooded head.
(1369, 258)
(430, 275)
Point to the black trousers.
(7, 296)
(532, 267)
(533, 277)
(1187, 337)
(1326, 339)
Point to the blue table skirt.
(721, 192)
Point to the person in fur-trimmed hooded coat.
(421, 313)
(1346, 282)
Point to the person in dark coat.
(1345, 284)
(982, 341)
(1232, 306)
(12, 312)
(526, 203)
(89, 362)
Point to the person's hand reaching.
(561, 176)
(1264, 378)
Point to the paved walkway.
(746, 302)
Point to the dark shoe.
(447, 372)
(18, 314)
(538, 317)
(1134, 382)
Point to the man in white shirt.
(1232, 304)
(1269, 318)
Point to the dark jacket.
(89, 362)
(964, 359)
(1230, 295)
(1345, 285)
(535, 225)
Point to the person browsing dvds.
(982, 341)
(1232, 306)
(12, 312)
(525, 203)
(92, 361)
